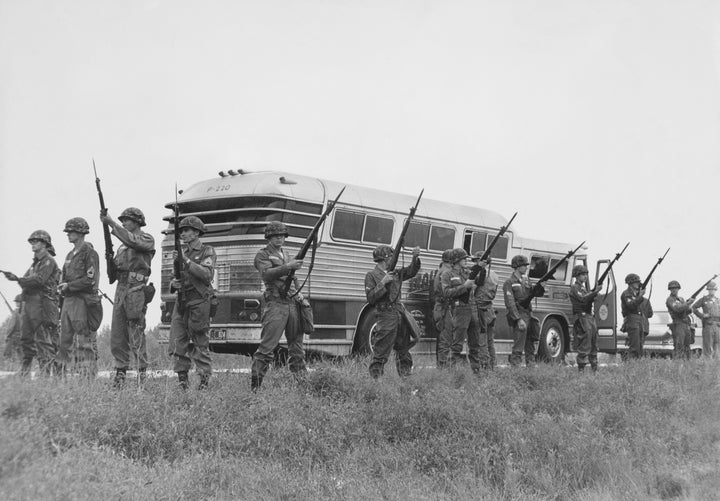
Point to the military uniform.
(391, 333)
(634, 320)
(40, 312)
(680, 327)
(280, 314)
(518, 290)
(132, 265)
(484, 295)
(585, 331)
(80, 273)
(708, 309)
(647, 313)
(442, 316)
(190, 322)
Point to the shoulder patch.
(207, 261)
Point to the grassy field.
(643, 430)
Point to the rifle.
(691, 299)
(106, 297)
(475, 270)
(547, 276)
(178, 262)
(401, 240)
(660, 260)
(109, 253)
(312, 237)
(615, 259)
(6, 302)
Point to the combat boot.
(255, 382)
(183, 381)
(119, 379)
(142, 376)
(204, 381)
(594, 366)
(25, 368)
(581, 367)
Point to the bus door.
(606, 309)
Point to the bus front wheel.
(364, 334)
(552, 342)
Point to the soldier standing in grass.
(585, 331)
(680, 327)
(13, 348)
(383, 290)
(132, 265)
(79, 288)
(40, 310)
(518, 291)
(631, 303)
(442, 317)
(485, 291)
(190, 322)
(708, 309)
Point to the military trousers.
(711, 339)
(524, 340)
(77, 341)
(38, 339)
(466, 326)
(278, 317)
(681, 340)
(633, 325)
(486, 327)
(189, 340)
(390, 334)
(585, 338)
(443, 317)
(127, 331)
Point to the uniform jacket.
(80, 270)
(197, 276)
(389, 294)
(710, 306)
(630, 302)
(272, 264)
(452, 282)
(516, 289)
(437, 285)
(679, 309)
(42, 278)
(485, 293)
(581, 299)
(135, 253)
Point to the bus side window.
(441, 238)
(561, 272)
(417, 235)
(478, 243)
(501, 247)
(378, 230)
(348, 225)
(538, 266)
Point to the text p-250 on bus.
(236, 206)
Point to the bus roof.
(315, 190)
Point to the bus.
(237, 205)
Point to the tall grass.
(643, 430)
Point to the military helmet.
(41, 235)
(518, 261)
(78, 225)
(382, 252)
(19, 298)
(632, 278)
(133, 214)
(447, 256)
(579, 269)
(712, 286)
(193, 222)
(673, 284)
(458, 255)
(275, 228)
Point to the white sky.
(596, 120)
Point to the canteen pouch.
(307, 322)
(149, 291)
(214, 303)
(94, 309)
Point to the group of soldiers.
(61, 309)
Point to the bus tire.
(552, 342)
(363, 334)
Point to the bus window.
(347, 225)
(501, 247)
(441, 238)
(417, 235)
(561, 272)
(478, 242)
(538, 266)
(378, 230)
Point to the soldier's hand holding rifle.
(295, 264)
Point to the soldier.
(79, 287)
(457, 289)
(40, 311)
(708, 309)
(132, 265)
(485, 291)
(383, 290)
(441, 312)
(631, 303)
(190, 323)
(518, 291)
(13, 348)
(280, 308)
(680, 327)
(585, 329)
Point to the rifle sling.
(312, 263)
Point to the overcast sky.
(595, 120)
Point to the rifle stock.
(615, 260)
(309, 240)
(109, 253)
(401, 240)
(660, 260)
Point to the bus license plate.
(218, 334)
